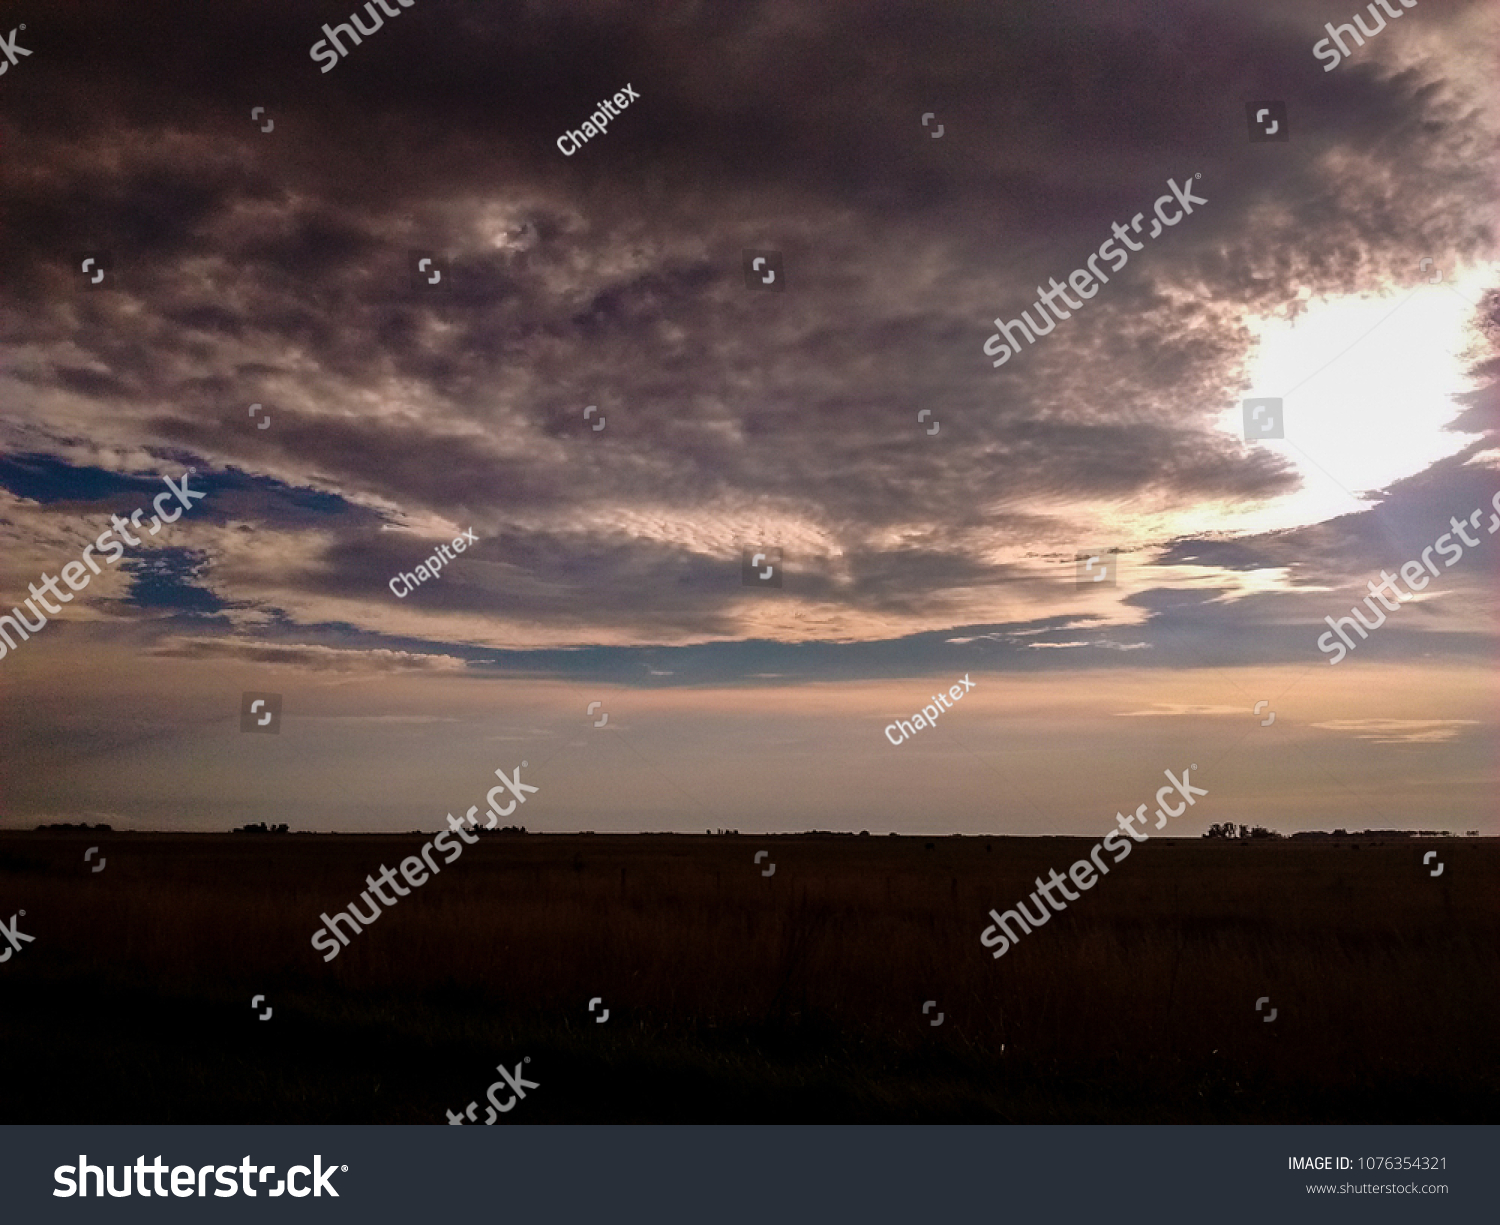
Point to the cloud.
(307, 658)
(1399, 731)
(272, 269)
(1103, 643)
(1177, 709)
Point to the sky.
(597, 393)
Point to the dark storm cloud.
(272, 268)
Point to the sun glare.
(1368, 386)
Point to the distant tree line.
(1227, 830)
(82, 825)
(260, 827)
(1383, 833)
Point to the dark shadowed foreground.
(733, 996)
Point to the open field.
(736, 997)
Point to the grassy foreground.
(735, 997)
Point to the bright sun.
(1367, 385)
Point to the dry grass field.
(735, 997)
